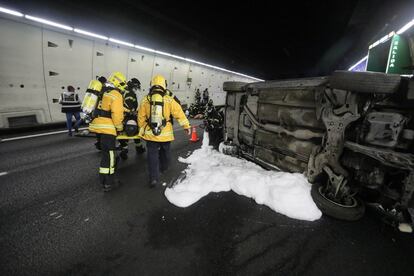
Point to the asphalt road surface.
(55, 220)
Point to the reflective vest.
(70, 102)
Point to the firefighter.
(156, 128)
(105, 88)
(213, 124)
(108, 122)
(170, 94)
(197, 96)
(130, 115)
(205, 97)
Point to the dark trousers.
(158, 158)
(108, 159)
(216, 137)
(124, 144)
(69, 116)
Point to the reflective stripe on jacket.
(111, 101)
(171, 108)
(70, 102)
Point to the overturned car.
(351, 134)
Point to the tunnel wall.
(38, 63)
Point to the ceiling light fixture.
(121, 42)
(79, 31)
(48, 22)
(12, 12)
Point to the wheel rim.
(354, 201)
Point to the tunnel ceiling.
(260, 38)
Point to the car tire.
(336, 210)
(234, 86)
(365, 82)
(228, 148)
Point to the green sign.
(399, 59)
(378, 57)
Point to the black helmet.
(131, 128)
(102, 79)
(134, 83)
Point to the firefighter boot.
(107, 181)
(124, 154)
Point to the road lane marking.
(37, 135)
(51, 133)
(3, 173)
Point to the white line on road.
(37, 135)
(3, 173)
(48, 133)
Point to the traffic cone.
(194, 137)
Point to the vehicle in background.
(351, 134)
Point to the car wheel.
(365, 82)
(351, 212)
(228, 148)
(235, 86)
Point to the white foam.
(210, 171)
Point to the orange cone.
(194, 137)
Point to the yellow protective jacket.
(171, 107)
(111, 101)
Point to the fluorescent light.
(169, 55)
(221, 69)
(80, 31)
(358, 63)
(90, 34)
(383, 39)
(121, 42)
(47, 22)
(178, 57)
(145, 48)
(190, 60)
(406, 27)
(375, 44)
(12, 12)
(163, 53)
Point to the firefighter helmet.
(159, 81)
(118, 80)
(131, 128)
(134, 84)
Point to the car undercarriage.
(351, 134)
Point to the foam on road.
(210, 171)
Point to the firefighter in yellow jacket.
(154, 120)
(108, 120)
